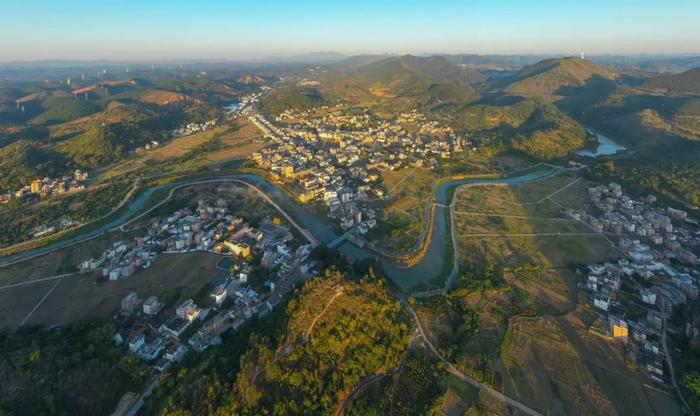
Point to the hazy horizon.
(221, 30)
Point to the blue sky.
(158, 29)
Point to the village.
(334, 156)
(48, 187)
(243, 107)
(159, 334)
(656, 273)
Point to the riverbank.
(431, 264)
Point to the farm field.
(16, 303)
(555, 363)
(81, 295)
(519, 225)
(56, 262)
(402, 218)
(514, 320)
(84, 295)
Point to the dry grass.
(80, 297)
(163, 97)
(556, 364)
(238, 144)
(17, 302)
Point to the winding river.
(431, 265)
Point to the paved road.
(456, 372)
(524, 234)
(43, 279)
(134, 410)
(262, 194)
(525, 217)
(124, 200)
(29, 315)
(671, 370)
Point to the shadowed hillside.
(547, 78)
(684, 83)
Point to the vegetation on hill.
(292, 98)
(115, 112)
(21, 162)
(105, 144)
(436, 68)
(66, 109)
(74, 370)
(549, 134)
(673, 178)
(418, 389)
(202, 383)
(302, 358)
(552, 76)
(687, 82)
(428, 80)
(338, 333)
(531, 126)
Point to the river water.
(428, 269)
(606, 146)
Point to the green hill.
(65, 109)
(684, 83)
(411, 75)
(105, 144)
(530, 125)
(435, 68)
(21, 162)
(338, 332)
(552, 77)
(548, 133)
(115, 112)
(292, 98)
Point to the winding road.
(430, 260)
(458, 373)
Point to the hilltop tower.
(582, 56)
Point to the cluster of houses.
(208, 227)
(335, 155)
(618, 213)
(640, 333)
(191, 128)
(656, 274)
(48, 187)
(161, 334)
(244, 106)
(308, 83)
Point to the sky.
(254, 29)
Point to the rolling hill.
(532, 126)
(294, 98)
(552, 77)
(65, 109)
(408, 74)
(104, 144)
(115, 112)
(21, 162)
(687, 82)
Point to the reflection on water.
(606, 147)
